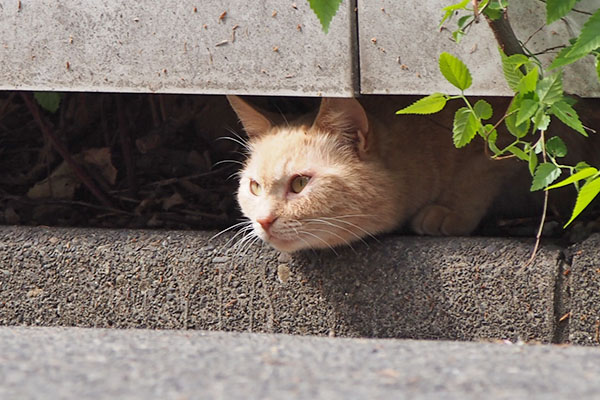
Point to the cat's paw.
(438, 220)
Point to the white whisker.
(325, 222)
(345, 241)
(317, 237)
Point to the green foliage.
(556, 9)
(455, 71)
(325, 10)
(545, 174)
(427, 105)
(49, 101)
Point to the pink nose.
(266, 222)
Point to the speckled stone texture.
(401, 287)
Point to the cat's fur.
(370, 172)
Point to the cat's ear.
(255, 123)
(345, 116)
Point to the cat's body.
(345, 174)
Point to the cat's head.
(316, 184)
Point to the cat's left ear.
(345, 116)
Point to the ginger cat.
(356, 170)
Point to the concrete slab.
(400, 46)
(584, 279)
(54, 363)
(274, 47)
(403, 287)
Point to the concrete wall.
(273, 47)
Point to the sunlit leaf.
(576, 177)
(526, 111)
(455, 71)
(589, 38)
(464, 127)
(549, 89)
(556, 9)
(568, 116)
(587, 193)
(427, 105)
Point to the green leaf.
(576, 177)
(549, 89)
(556, 9)
(510, 67)
(556, 147)
(533, 162)
(517, 130)
(589, 38)
(586, 194)
(545, 174)
(528, 108)
(528, 82)
(492, 14)
(562, 59)
(521, 155)
(427, 105)
(449, 10)
(455, 71)
(541, 120)
(49, 101)
(464, 128)
(598, 66)
(568, 116)
(483, 109)
(325, 10)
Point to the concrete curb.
(402, 287)
(73, 363)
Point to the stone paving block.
(273, 47)
(584, 321)
(402, 287)
(76, 363)
(400, 45)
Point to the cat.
(356, 169)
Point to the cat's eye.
(299, 183)
(255, 188)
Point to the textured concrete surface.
(403, 287)
(584, 325)
(188, 46)
(55, 363)
(400, 46)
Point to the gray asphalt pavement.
(77, 363)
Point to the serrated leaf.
(576, 177)
(545, 174)
(517, 130)
(541, 120)
(455, 71)
(587, 193)
(556, 147)
(568, 116)
(589, 38)
(49, 101)
(528, 82)
(483, 109)
(510, 68)
(464, 127)
(533, 162)
(549, 89)
(556, 9)
(562, 59)
(325, 10)
(427, 105)
(526, 111)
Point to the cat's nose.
(266, 222)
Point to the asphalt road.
(76, 363)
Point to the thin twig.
(62, 150)
(538, 236)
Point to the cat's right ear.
(255, 123)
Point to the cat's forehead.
(288, 151)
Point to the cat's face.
(307, 186)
